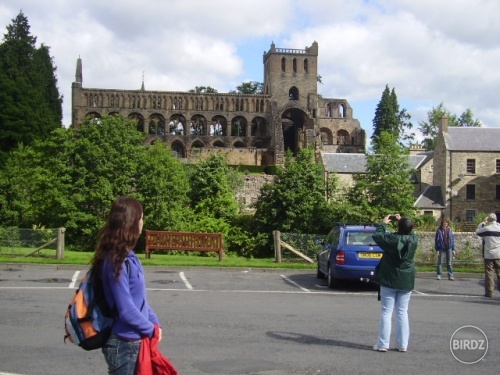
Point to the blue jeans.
(449, 258)
(121, 356)
(400, 299)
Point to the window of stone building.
(471, 166)
(470, 215)
(341, 110)
(470, 191)
(428, 213)
(497, 193)
(294, 64)
(283, 64)
(498, 166)
(306, 66)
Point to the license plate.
(370, 255)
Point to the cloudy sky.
(429, 51)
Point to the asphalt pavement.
(251, 321)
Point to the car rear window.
(359, 239)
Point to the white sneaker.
(377, 349)
(438, 277)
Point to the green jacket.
(397, 266)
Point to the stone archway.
(293, 123)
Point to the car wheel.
(319, 274)
(332, 282)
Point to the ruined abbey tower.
(249, 129)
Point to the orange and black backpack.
(89, 319)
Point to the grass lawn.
(47, 256)
(18, 255)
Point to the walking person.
(124, 286)
(489, 231)
(445, 247)
(396, 277)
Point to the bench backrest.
(164, 240)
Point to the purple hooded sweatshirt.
(135, 318)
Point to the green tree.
(203, 89)
(295, 201)
(31, 105)
(35, 184)
(163, 187)
(249, 87)
(386, 187)
(211, 192)
(388, 117)
(429, 128)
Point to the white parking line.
(183, 278)
(74, 279)
(421, 293)
(294, 283)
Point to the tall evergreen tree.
(388, 117)
(386, 187)
(31, 104)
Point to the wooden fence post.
(60, 243)
(277, 245)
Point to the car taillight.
(340, 257)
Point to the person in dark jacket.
(396, 277)
(444, 243)
(124, 286)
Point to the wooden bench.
(162, 240)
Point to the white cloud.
(430, 52)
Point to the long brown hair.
(119, 234)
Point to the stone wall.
(467, 244)
(251, 189)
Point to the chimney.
(443, 124)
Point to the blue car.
(348, 252)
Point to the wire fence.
(307, 244)
(25, 241)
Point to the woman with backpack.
(124, 286)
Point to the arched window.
(178, 149)
(239, 127)
(306, 65)
(293, 93)
(283, 64)
(294, 65)
(218, 126)
(343, 137)
(342, 110)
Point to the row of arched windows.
(342, 137)
(180, 149)
(177, 124)
(178, 102)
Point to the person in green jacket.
(396, 277)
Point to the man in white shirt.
(489, 231)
